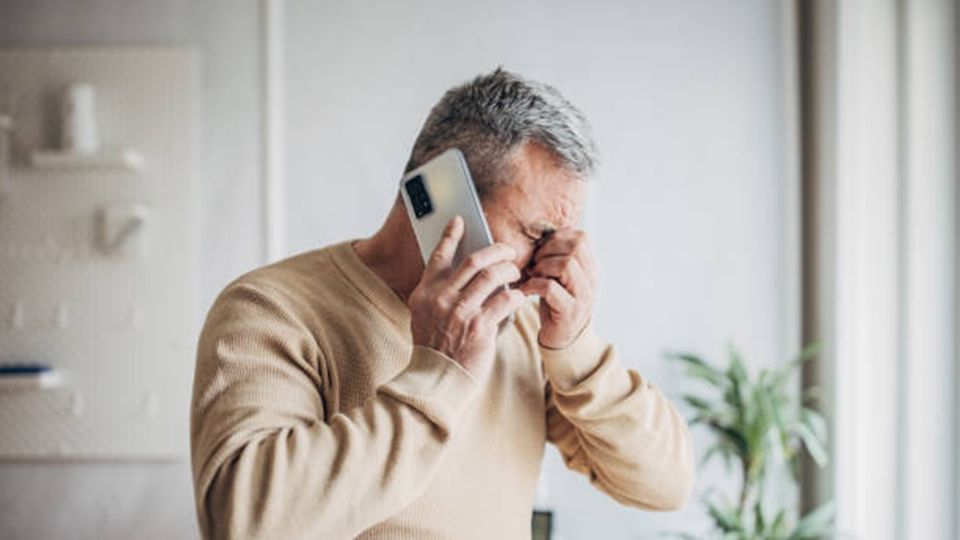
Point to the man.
(354, 392)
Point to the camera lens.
(419, 198)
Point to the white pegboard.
(120, 328)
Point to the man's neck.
(392, 253)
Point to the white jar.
(78, 119)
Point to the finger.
(477, 261)
(567, 271)
(549, 290)
(560, 242)
(568, 242)
(502, 305)
(486, 282)
(442, 255)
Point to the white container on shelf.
(78, 128)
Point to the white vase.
(78, 119)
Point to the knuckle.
(475, 326)
(445, 300)
(553, 287)
(472, 262)
(461, 308)
(485, 275)
(437, 305)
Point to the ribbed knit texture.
(313, 416)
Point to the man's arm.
(614, 426)
(269, 463)
(608, 422)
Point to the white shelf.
(116, 160)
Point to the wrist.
(568, 367)
(567, 343)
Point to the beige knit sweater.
(314, 417)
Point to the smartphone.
(437, 191)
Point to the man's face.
(542, 197)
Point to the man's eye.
(542, 237)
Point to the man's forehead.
(559, 211)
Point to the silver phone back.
(451, 191)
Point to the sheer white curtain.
(887, 128)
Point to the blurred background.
(774, 173)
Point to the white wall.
(151, 500)
(686, 213)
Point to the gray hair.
(492, 115)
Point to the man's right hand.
(452, 309)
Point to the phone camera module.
(419, 199)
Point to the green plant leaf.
(727, 520)
(815, 524)
(759, 524)
(761, 424)
(794, 465)
(737, 371)
(806, 354)
(698, 368)
(816, 422)
(809, 352)
(813, 445)
(736, 393)
(701, 405)
(724, 450)
(733, 436)
(778, 528)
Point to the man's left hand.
(563, 274)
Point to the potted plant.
(760, 428)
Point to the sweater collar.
(374, 289)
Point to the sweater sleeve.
(268, 462)
(612, 425)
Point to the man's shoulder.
(297, 276)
